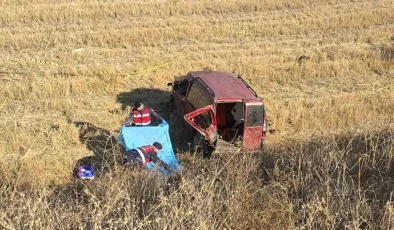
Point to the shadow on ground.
(108, 159)
(158, 100)
(345, 169)
(155, 98)
(373, 150)
(107, 152)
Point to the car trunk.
(229, 119)
(239, 124)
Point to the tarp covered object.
(134, 137)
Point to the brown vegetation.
(70, 69)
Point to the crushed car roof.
(225, 85)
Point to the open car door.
(253, 126)
(204, 121)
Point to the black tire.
(200, 146)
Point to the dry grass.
(67, 63)
(339, 182)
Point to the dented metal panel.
(209, 133)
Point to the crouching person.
(145, 154)
(141, 115)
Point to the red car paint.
(212, 101)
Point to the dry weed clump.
(342, 182)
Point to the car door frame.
(210, 133)
(180, 100)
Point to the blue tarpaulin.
(134, 137)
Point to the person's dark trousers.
(132, 158)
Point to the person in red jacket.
(141, 115)
(145, 154)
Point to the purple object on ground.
(86, 172)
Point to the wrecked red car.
(221, 110)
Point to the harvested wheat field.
(69, 71)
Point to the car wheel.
(200, 146)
